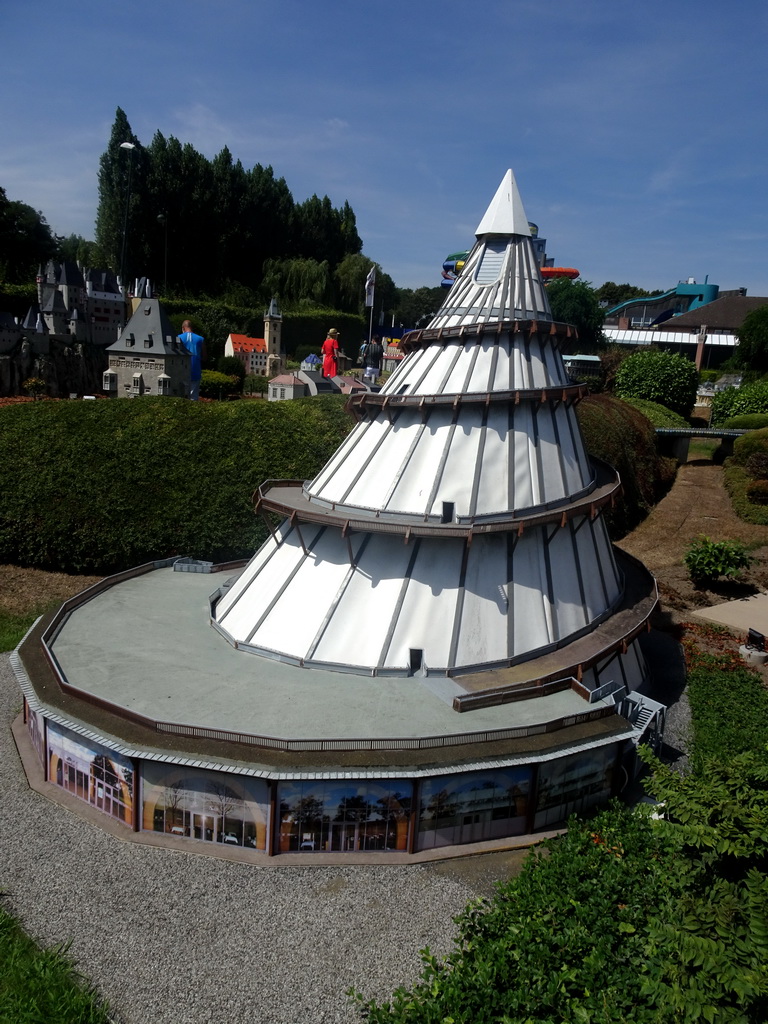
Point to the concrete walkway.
(740, 615)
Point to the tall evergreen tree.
(210, 226)
(114, 217)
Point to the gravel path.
(175, 938)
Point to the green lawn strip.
(13, 628)
(42, 986)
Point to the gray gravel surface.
(186, 939)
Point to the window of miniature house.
(109, 382)
(137, 382)
(164, 385)
(282, 392)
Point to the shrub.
(219, 385)
(737, 481)
(757, 492)
(659, 415)
(231, 366)
(709, 560)
(750, 421)
(564, 941)
(718, 700)
(748, 445)
(102, 486)
(255, 384)
(748, 399)
(708, 376)
(34, 386)
(757, 465)
(662, 377)
(623, 437)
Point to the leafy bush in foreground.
(564, 941)
(709, 560)
(627, 921)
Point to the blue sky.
(638, 133)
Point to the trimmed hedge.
(659, 415)
(622, 436)
(101, 486)
(729, 709)
(749, 421)
(749, 445)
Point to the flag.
(370, 282)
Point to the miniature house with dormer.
(147, 358)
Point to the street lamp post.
(130, 147)
(162, 220)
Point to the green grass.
(13, 628)
(42, 985)
(703, 448)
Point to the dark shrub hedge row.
(102, 486)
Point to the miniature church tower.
(273, 325)
(457, 533)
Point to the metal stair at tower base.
(459, 526)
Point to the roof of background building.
(242, 343)
(726, 312)
(148, 324)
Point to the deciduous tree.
(25, 241)
(575, 303)
(752, 350)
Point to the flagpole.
(370, 289)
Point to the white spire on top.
(505, 215)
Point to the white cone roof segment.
(460, 519)
(500, 279)
(505, 215)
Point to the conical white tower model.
(458, 530)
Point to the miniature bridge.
(674, 441)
